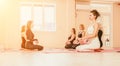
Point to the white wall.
(10, 24)
(116, 25)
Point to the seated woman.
(91, 41)
(70, 40)
(30, 38)
(81, 34)
(23, 36)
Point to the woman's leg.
(31, 46)
(68, 46)
(38, 47)
(82, 47)
(74, 46)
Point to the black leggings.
(31, 46)
(100, 32)
(71, 46)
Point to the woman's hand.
(76, 42)
(84, 41)
(36, 41)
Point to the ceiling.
(97, 0)
(82, 0)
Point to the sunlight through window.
(43, 16)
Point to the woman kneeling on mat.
(30, 38)
(91, 41)
(71, 38)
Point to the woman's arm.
(72, 37)
(83, 34)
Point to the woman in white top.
(91, 41)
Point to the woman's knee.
(77, 48)
(68, 46)
(40, 48)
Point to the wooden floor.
(58, 58)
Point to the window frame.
(43, 5)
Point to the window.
(43, 16)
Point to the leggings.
(71, 46)
(100, 32)
(31, 46)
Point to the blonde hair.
(29, 23)
(82, 26)
(23, 28)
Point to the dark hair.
(23, 28)
(95, 13)
(74, 31)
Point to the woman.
(81, 31)
(81, 34)
(23, 36)
(30, 38)
(91, 41)
(70, 40)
